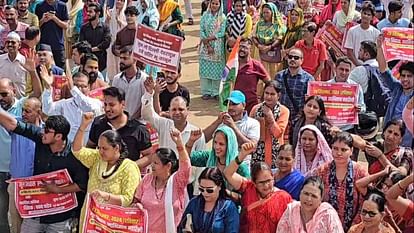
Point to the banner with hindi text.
(333, 38)
(398, 44)
(340, 100)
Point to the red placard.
(32, 200)
(58, 83)
(340, 100)
(333, 38)
(100, 218)
(398, 44)
(157, 48)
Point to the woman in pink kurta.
(163, 191)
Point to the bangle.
(399, 186)
(109, 197)
(180, 148)
(82, 130)
(237, 160)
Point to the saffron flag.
(229, 76)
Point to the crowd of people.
(276, 162)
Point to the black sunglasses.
(4, 94)
(370, 213)
(208, 190)
(294, 57)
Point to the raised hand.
(149, 85)
(246, 149)
(87, 118)
(195, 135)
(30, 64)
(46, 76)
(176, 136)
(160, 85)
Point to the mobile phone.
(52, 12)
(161, 76)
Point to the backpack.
(378, 95)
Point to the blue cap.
(237, 97)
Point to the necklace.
(221, 163)
(155, 190)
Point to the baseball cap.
(237, 97)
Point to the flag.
(229, 76)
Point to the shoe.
(205, 97)
(190, 21)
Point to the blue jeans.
(4, 202)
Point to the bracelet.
(180, 148)
(237, 160)
(82, 130)
(399, 186)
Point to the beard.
(123, 67)
(90, 19)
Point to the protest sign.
(58, 82)
(33, 201)
(340, 100)
(318, 5)
(333, 38)
(398, 44)
(100, 218)
(157, 48)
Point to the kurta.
(212, 65)
(122, 182)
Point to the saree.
(397, 157)
(324, 220)
(293, 32)
(328, 11)
(261, 215)
(292, 183)
(383, 228)
(268, 34)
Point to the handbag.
(274, 55)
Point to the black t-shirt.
(166, 97)
(51, 33)
(134, 134)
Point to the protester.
(312, 149)
(74, 25)
(273, 118)
(310, 214)
(13, 25)
(162, 192)
(404, 207)
(268, 38)
(90, 66)
(24, 15)
(224, 150)
(113, 178)
(295, 21)
(52, 153)
(250, 73)
(131, 81)
(329, 10)
(309, 12)
(97, 34)
(314, 51)
(116, 20)
(339, 177)
(286, 176)
(148, 13)
(408, 115)
(133, 133)
(372, 212)
(53, 17)
(31, 39)
(361, 32)
(212, 54)
(346, 15)
(294, 81)
(80, 49)
(170, 17)
(402, 90)
(212, 211)
(262, 204)
(394, 18)
(22, 156)
(239, 23)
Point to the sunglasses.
(208, 190)
(294, 57)
(370, 213)
(4, 94)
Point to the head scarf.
(236, 22)
(151, 12)
(327, 13)
(293, 29)
(232, 148)
(114, 26)
(74, 9)
(343, 19)
(166, 9)
(323, 153)
(268, 34)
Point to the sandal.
(190, 21)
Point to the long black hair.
(166, 156)
(214, 174)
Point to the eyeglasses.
(294, 57)
(4, 94)
(370, 213)
(264, 182)
(208, 190)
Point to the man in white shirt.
(73, 108)
(362, 32)
(367, 54)
(12, 64)
(131, 81)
